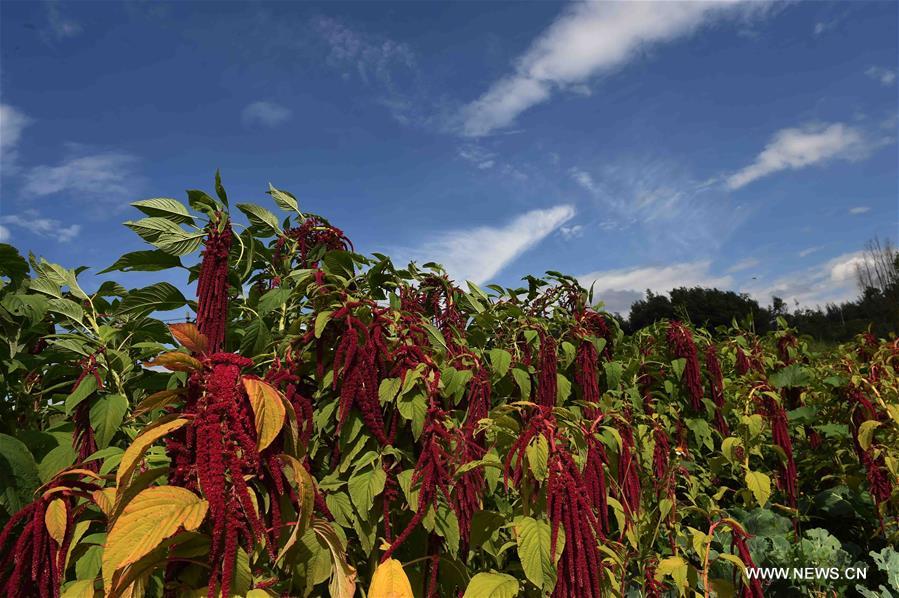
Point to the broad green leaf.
(260, 217)
(144, 261)
(866, 433)
(61, 457)
(165, 207)
(388, 390)
(86, 387)
(500, 359)
(161, 296)
(343, 576)
(674, 566)
(364, 485)
(55, 519)
(285, 200)
(492, 585)
(523, 380)
(534, 551)
(106, 415)
(537, 454)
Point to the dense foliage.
(332, 424)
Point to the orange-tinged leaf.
(55, 519)
(306, 493)
(268, 407)
(83, 588)
(343, 575)
(157, 400)
(189, 336)
(390, 581)
(175, 361)
(153, 516)
(134, 453)
(105, 499)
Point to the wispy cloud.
(675, 213)
(59, 26)
(33, 222)
(810, 250)
(574, 231)
(266, 114)
(4, 234)
(12, 123)
(822, 27)
(832, 281)
(100, 178)
(588, 39)
(744, 264)
(477, 155)
(618, 289)
(886, 76)
(859, 210)
(801, 147)
(480, 253)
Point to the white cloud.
(480, 253)
(859, 210)
(886, 76)
(584, 179)
(572, 232)
(833, 281)
(373, 58)
(12, 123)
(32, 221)
(618, 289)
(810, 250)
(796, 148)
(105, 177)
(59, 26)
(480, 157)
(744, 264)
(267, 114)
(588, 39)
(4, 234)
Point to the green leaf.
(500, 359)
(446, 524)
(492, 585)
(161, 296)
(523, 379)
(219, 188)
(272, 300)
(106, 416)
(760, 485)
(165, 207)
(674, 566)
(62, 457)
(66, 308)
(12, 265)
(534, 551)
(364, 485)
(85, 388)
(18, 474)
(150, 229)
(538, 454)
(201, 202)
(613, 374)
(144, 261)
(388, 390)
(285, 200)
(180, 243)
(792, 376)
(260, 217)
(866, 433)
(563, 386)
(321, 320)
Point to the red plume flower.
(681, 345)
(212, 286)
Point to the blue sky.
(744, 145)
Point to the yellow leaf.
(866, 433)
(104, 499)
(343, 575)
(390, 581)
(760, 485)
(83, 588)
(139, 446)
(268, 406)
(55, 519)
(154, 515)
(175, 361)
(306, 492)
(674, 566)
(189, 336)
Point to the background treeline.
(876, 307)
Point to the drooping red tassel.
(716, 383)
(547, 368)
(681, 345)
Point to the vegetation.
(875, 310)
(332, 424)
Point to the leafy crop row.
(333, 424)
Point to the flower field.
(326, 423)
